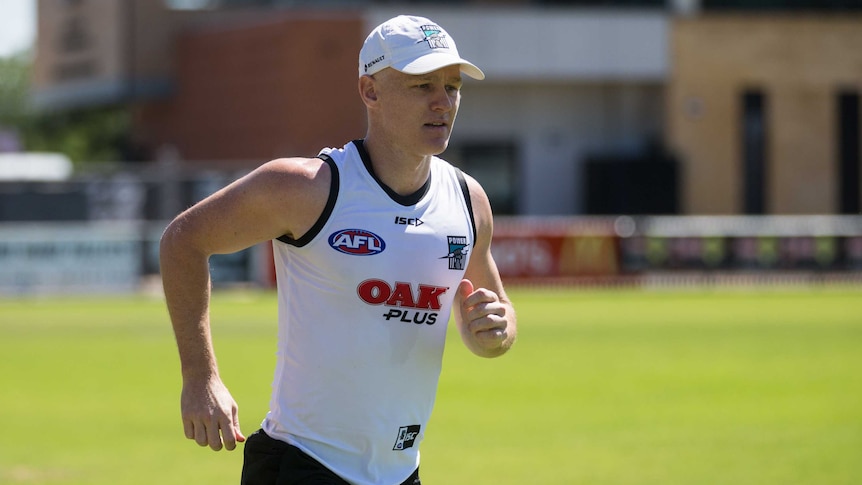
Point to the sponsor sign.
(406, 304)
(536, 249)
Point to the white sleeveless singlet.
(364, 302)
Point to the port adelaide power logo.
(457, 251)
(434, 36)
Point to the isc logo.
(406, 437)
(357, 242)
(409, 221)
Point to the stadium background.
(596, 117)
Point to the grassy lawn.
(604, 387)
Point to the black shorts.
(268, 461)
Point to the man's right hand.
(210, 414)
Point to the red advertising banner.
(555, 248)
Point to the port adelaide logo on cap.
(434, 36)
(357, 242)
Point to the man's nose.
(442, 100)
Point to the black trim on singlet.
(327, 210)
(405, 200)
(466, 190)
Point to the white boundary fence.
(99, 258)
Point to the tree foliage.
(84, 135)
(14, 76)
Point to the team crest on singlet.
(457, 251)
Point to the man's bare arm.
(281, 197)
(483, 312)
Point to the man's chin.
(438, 147)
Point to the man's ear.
(368, 90)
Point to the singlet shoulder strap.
(327, 210)
(463, 182)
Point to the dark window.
(638, 185)
(494, 166)
(848, 153)
(754, 152)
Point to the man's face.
(418, 111)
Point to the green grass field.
(604, 387)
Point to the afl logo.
(357, 242)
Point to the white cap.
(412, 45)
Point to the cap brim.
(432, 62)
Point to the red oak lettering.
(378, 292)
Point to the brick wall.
(257, 90)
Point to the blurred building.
(589, 107)
(764, 111)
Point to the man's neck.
(403, 172)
